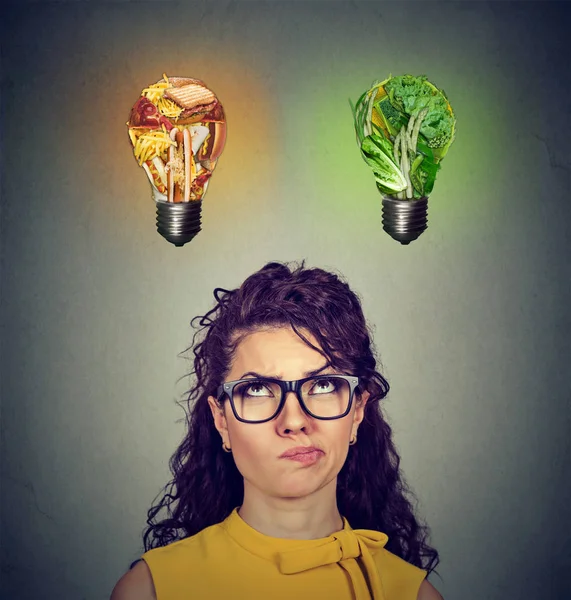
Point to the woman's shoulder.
(405, 578)
(396, 565)
(173, 561)
(402, 579)
(136, 584)
(194, 544)
(428, 592)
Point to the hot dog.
(212, 149)
(189, 167)
(180, 166)
(155, 170)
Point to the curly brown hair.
(206, 484)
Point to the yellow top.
(233, 561)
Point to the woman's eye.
(323, 386)
(258, 389)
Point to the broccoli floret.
(439, 141)
(392, 117)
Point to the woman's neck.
(307, 518)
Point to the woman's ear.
(219, 418)
(360, 407)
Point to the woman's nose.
(292, 416)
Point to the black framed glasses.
(257, 400)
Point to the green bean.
(402, 152)
(417, 126)
(405, 167)
(396, 147)
(409, 132)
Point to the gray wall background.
(471, 321)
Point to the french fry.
(150, 144)
(155, 93)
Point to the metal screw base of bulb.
(178, 222)
(405, 220)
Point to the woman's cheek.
(341, 446)
(249, 452)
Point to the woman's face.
(256, 447)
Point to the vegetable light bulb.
(178, 131)
(404, 127)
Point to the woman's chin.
(299, 489)
(300, 492)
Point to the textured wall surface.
(471, 320)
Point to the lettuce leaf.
(383, 144)
(408, 94)
(377, 152)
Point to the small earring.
(225, 448)
(353, 440)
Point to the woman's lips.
(307, 458)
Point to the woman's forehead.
(272, 350)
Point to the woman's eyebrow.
(306, 374)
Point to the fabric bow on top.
(341, 547)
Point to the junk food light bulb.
(404, 127)
(178, 130)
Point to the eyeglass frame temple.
(288, 386)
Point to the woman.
(287, 484)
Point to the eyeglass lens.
(259, 399)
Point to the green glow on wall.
(328, 162)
